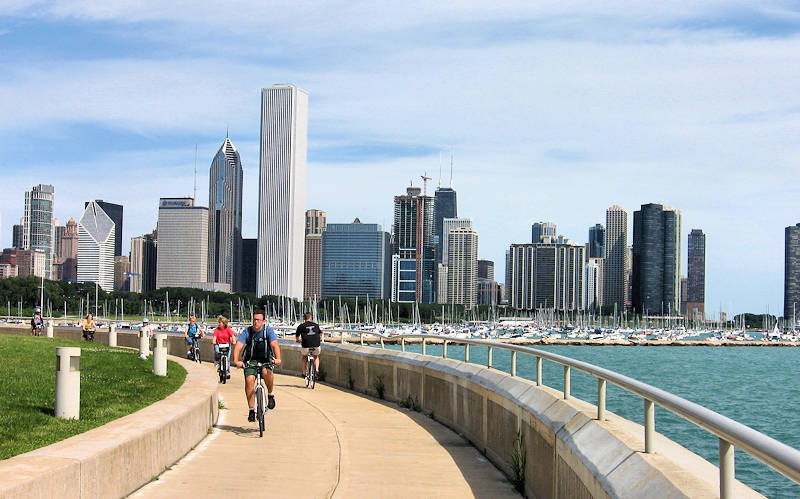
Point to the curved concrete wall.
(117, 458)
(569, 452)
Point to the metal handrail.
(775, 454)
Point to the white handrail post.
(513, 362)
(424, 349)
(361, 337)
(489, 358)
(382, 345)
(726, 469)
(539, 371)
(403, 344)
(601, 399)
(466, 352)
(649, 425)
(566, 382)
(444, 349)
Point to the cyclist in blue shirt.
(257, 344)
(193, 329)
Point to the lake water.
(757, 386)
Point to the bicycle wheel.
(223, 369)
(308, 372)
(313, 370)
(260, 410)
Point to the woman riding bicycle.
(89, 327)
(194, 332)
(223, 335)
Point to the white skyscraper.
(96, 241)
(182, 249)
(462, 266)
(282, 191)
(38, 230)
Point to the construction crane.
(425, 179)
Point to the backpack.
(257, 346)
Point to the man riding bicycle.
(194, 331)
(309, 336)
(37, 322)
(257, 345)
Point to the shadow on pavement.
(240, 431)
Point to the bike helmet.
(38, 310)
(145, 320)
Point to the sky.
(551, 111)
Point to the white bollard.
(144, 346)
(68, 382)
(112, 335)
(50, 329)
(160, 355)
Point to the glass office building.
(356, 260)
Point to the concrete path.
(328, 442)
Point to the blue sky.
(554, 111)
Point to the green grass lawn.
(114, 383)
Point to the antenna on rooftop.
(195, 172)
(425, 179)
(440, 169)
(451, 168)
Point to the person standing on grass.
(223, 335)
(258, 344)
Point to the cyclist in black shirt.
(309, 336)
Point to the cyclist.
(257, 344)
(223, 334)
(193, 330)
(37, 322)
(88, 326)
(309, 336)
(145, 331)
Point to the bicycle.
(260, 398)
(196, 348)
(88, 335)
(222, 367)
(311, 369)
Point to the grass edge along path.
(114, 383)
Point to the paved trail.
(328, 442)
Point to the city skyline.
(614, 123)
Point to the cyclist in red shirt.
(224, 335)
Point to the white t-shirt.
(146, 329)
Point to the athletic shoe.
(270, 402)
(251, 416)
(228, 376)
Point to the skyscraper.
(143, 263)
(656, 260)
(616, 255)
(37, 232)
(356, 260)
(249, 265)
(69, 240)
(597, 241)
(122, 269)
(548, 275)
(58, 233)
(225, 216)
(282, 191)
(182, 249)
(312, 270)
(540, 229)
(315, 221)
(486, 269)
(16, 235)
(696, 276)
(414, 245)
(462, 266)
(445, 205)
(96, 242)
(593, 283)
(114, 211)
(791, 277)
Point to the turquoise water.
(757, 386)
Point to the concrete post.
(68, 382)
(160, 355)
(112, 335)
(50, 329)
(144, 346)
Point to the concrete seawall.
(568, 452)
(117, 458)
